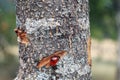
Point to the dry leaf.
(47, 61)
(21, 36)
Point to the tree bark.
(50, 26)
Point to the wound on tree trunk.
(58, 40)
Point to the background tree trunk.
(117, 17)
(54, 25)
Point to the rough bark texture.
(53, 25)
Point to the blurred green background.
(104, 40)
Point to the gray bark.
(53, 25)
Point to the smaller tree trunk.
(117, 17)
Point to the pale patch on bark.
(42, 76)
(18, 22)
(44, 24)
(81, 22)
(70, 66)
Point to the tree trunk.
(48, 26)
(117, 17)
